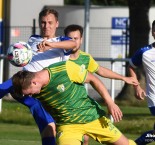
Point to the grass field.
(18, 127)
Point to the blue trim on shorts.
(152, 110)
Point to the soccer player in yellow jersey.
(86, 60)
(60, 89)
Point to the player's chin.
(46, 33)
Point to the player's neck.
(43, 77)
(49, 37)
(74, 55)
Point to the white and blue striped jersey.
(146, 57)
(41, 60)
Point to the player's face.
(48, 26)
(34, 88)
(75, 35)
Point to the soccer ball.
(19, 54)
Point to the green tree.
(139, 36)
(139, 29)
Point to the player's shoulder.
(84, 53)
(35, 36)
(144, 49)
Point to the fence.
(112, 88)
(100, 47)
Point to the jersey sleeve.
(136, 59)
(75, 72)
(93, 65)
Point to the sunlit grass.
(17, 125)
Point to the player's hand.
(44, 46)
(139, 93)
(115, 111)
(131, 80)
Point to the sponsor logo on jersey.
(61, 88)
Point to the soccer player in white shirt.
(145, 56)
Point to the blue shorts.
(152, 110)
(42, 118)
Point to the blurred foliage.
(101, 2)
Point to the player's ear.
(34, 83)
(81, 40)
(57, 24)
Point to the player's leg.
(6, 87)
(147, 137)
(124, 141)
(42, 118)
(48, 134)
(103, 131)
(86, 140)
(70, 134)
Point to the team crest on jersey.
(61, 88)
(83, 67)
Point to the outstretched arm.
(113, 109)
(139, 92)
(107, 73)
(46, 45)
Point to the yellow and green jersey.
(86, 61)
(65, 96)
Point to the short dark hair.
(153, 23)
(47, 11)
(73, 27)
(21, 80)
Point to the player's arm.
(107, 73)
(139, 92)
(46, 45)
(113, 109)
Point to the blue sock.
(146, 138)
(48, 141)
(6, 88)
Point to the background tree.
(139, 29)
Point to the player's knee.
(124, 141)
(49, 130)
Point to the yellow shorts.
(101, 130)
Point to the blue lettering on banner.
(119, 22)
(118, 40)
